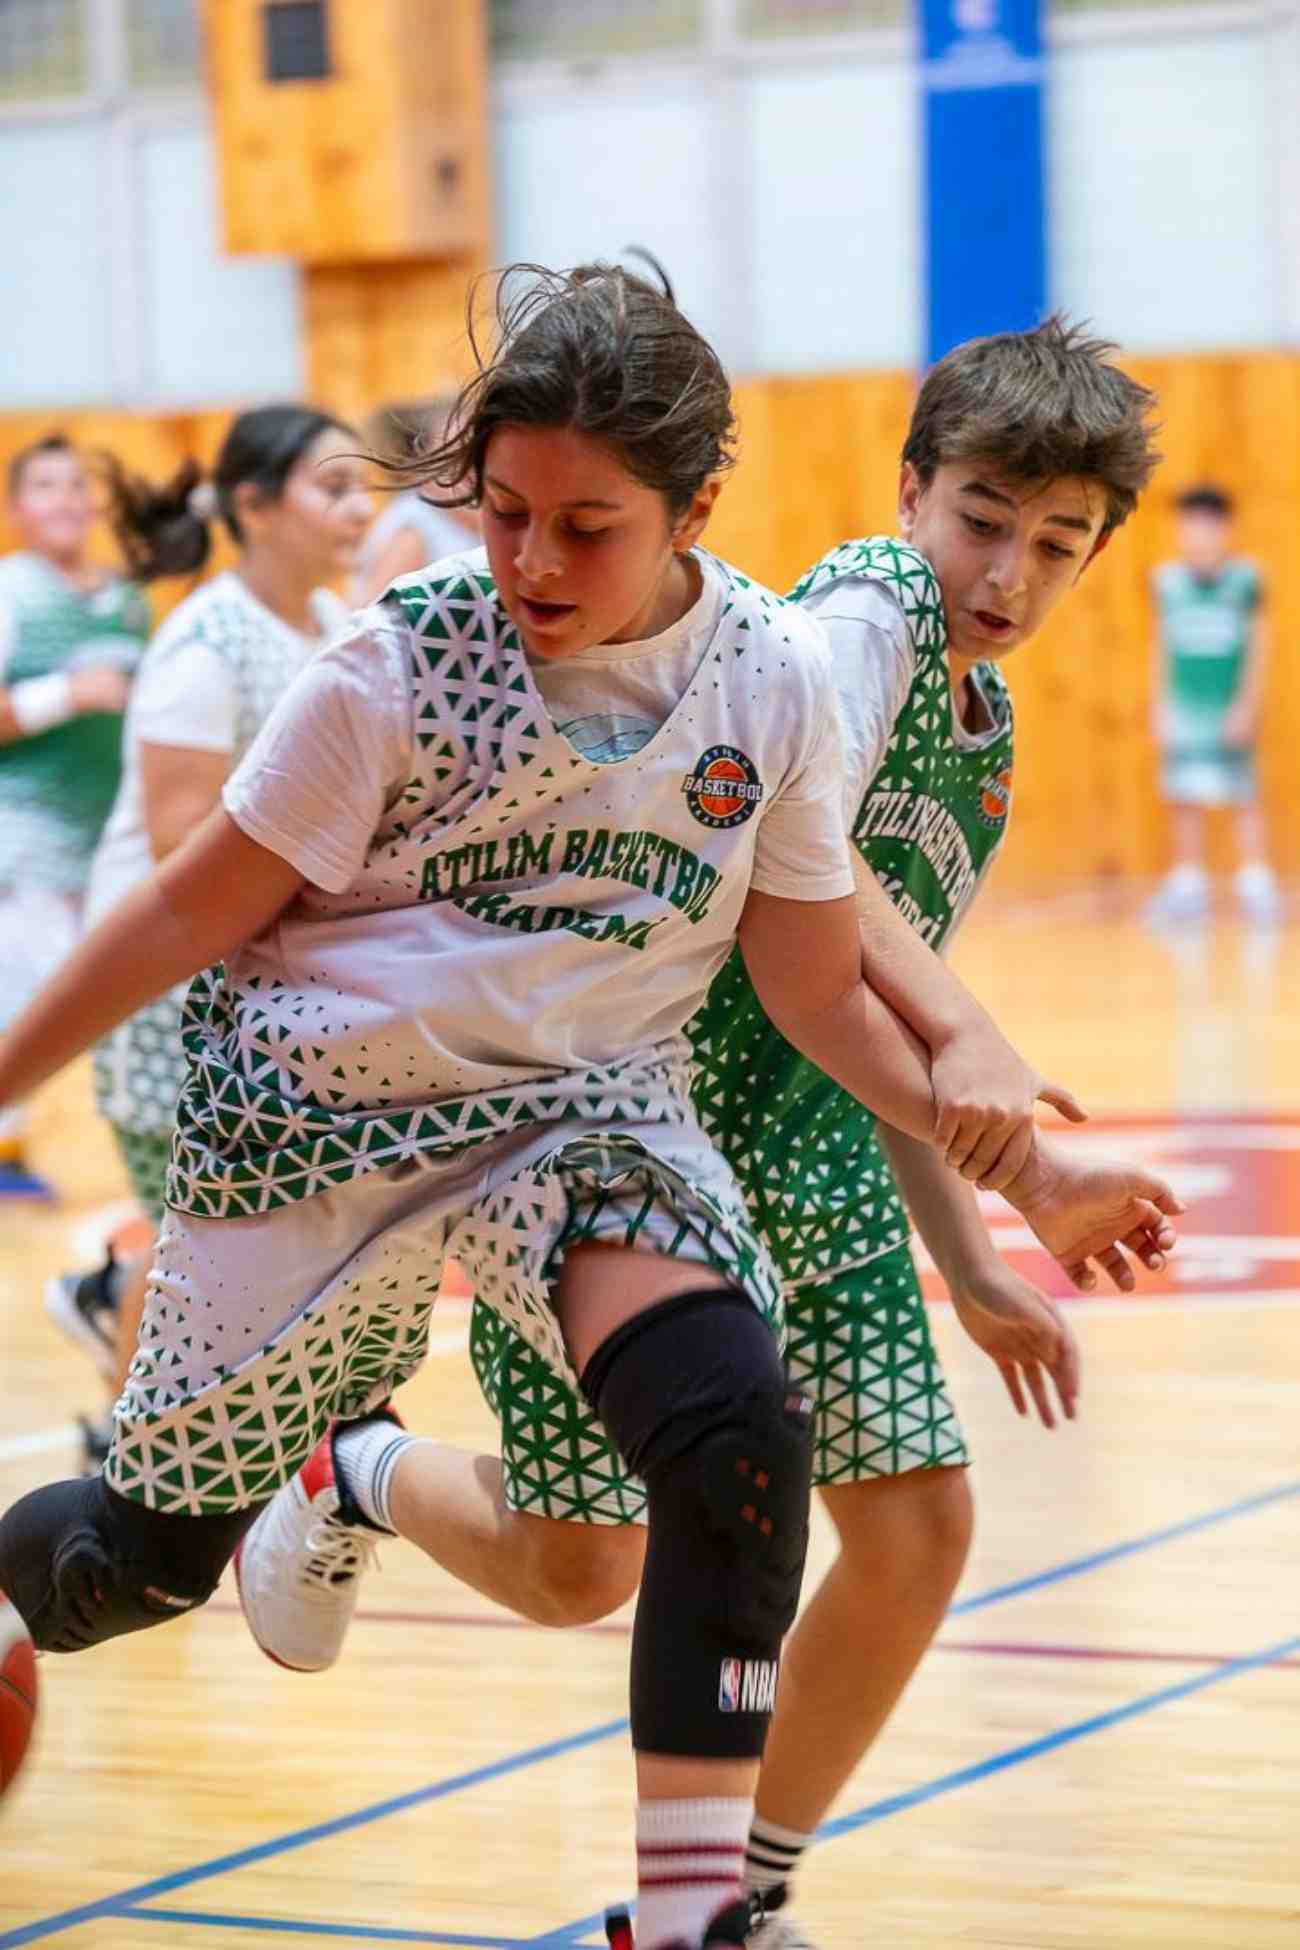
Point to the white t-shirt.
(494, 929)
(439, 531)
(610, 700)
(875, 665)
(207, 682)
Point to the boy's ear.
(909, 497)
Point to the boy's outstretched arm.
(984, 1091)
(214, 893)
(1023, 1333)
(804, 959)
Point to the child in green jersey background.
(1212, 647)
(71, 635)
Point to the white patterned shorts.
(259, 1331)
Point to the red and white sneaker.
(725, 1932)
(298, 1570)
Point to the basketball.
(17, 1693)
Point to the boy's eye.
(505, 514)
(978, 526)
(1059, 551)
(589, 534)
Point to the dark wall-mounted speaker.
(296, 40)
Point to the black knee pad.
(83, 1564)
(694, 1396)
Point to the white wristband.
(42, 702)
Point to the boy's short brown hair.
(1039, 405)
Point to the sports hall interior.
(1101, 1744)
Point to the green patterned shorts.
(145, 1155)
(859, 1344)
(258, 1331)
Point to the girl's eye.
(1059, 553)
(978, 527)
(507, 515)
(589, 534)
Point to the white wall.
(781, 189)
(1165, 191)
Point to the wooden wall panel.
(819, 463)
(383, 332)
(385, 157)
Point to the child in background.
(71, 634)
(1212, 652)
(288, 486)
(411, 529)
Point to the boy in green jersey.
(1024, 454)
(1212, 654)
(71, 635)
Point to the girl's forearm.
(866, 1047)
(208, 898)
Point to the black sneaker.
(84, 1305)
(725, 1932)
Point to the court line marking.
(108, 1906)
(39, 1443)
(1075, 1567)
(262, 1851)
(570, 1935)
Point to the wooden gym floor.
(1101, 1748)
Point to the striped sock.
(366, 1454)
(772, 1854)
(689, 1858)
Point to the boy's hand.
(1092, 1210)
(1026, 1336)
(984, 1097)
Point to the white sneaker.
(299, 1568)
(1257, 894)
(775, 1929)
(1183, 895)
(779, 1933)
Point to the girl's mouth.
(540, 615)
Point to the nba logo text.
(747, 1685)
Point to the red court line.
(621, 1628)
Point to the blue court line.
(259, 1852)
(570, 1934)
(112, 1905)
(288, 1926)
(1074, 1567)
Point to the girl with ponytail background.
(289, 487)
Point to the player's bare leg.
(903, 1545)
(453, 1506)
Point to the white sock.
(772, 1853)
(1188, 878)
(366, 1454)
(13, 1125)
(689, 1859)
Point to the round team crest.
(995, 797)
(724, 788)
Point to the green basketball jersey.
(1205, 630)
(57, 789)
(928, 825)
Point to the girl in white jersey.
(288, 488)
(463, 918)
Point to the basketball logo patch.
(724, 788)
(995, 797)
